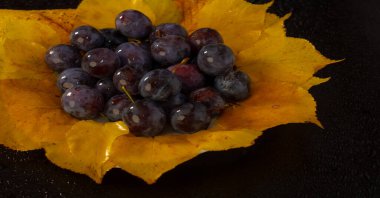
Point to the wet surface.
(294, 160)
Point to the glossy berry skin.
(82, 102)
(170, 50)
(173, 101)
(133, 24)
(72, 77)
(134, 55)
(115, 106)
(210, 98)
(129, 78)
(61, 57)
(144, 118)
(100, 62)
(233, 85)
(86, 38)
(159, 84)
(167, 29)
(190, 118)
(215, 59)
(189, 75)
(204, 36)
(106, 87)
(112, 38)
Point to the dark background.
(294, 160)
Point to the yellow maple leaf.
(281, 69)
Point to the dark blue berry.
(133, 24)
(209, 97)
(134, 55)
(72, 77)
(190, 118)
(233, 85)
(159, 84)
(61, 57)
(100, 62)
(115, 106)
(189, 75)
(106, 87)
(144, 118)
(203, 37)
(127, 78)
(170, 50)
(86, 38)
(215, 59)
(82, 102)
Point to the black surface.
(295, 160)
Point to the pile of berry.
(147, 76)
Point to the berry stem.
(134, 41)
(159, 33)
(185, 60)
(104, 116)
(127, 93)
